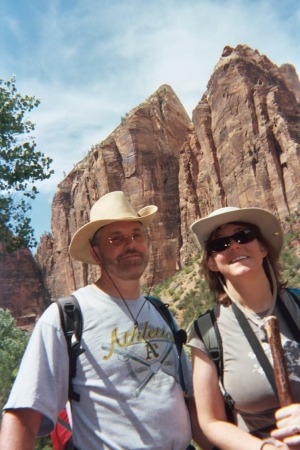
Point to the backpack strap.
(295, 292)
(289, 319)
(254, 342)
(71, 323)
(207, 329)
(179, 335)
(64, 424)
(256, 347)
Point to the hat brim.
(80, 248)
(267, 223)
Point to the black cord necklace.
(134, 319)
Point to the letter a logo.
(151, 351)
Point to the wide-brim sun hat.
(112, 207)
(268, 224)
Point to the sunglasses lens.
(221, 244)
(245, 236)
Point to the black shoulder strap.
(207, 329)
(179, 335)
(72, 323)
(255, 344)
(295, 293)
(256, 347)
(289, 319)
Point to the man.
(127, 378)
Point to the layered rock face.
(141, 157)
(241, 149)
(21, 284)
(245, 147)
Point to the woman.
(240, 263)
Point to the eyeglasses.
(121, 239)
(221, 244)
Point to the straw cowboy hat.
(112, 207)
(267, 223)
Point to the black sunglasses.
(222, 243)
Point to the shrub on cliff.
(12, 345)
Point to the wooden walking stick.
(280, 369)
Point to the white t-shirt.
(130, 394)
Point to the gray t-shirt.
(244, 378)
(130, 394)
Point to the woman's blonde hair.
(213, 278)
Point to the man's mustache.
(131, 251)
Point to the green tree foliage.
(21, 165)
(13, 342)
(12, 345)
(43, 443)
(290, 255)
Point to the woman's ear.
(212, 265)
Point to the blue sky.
(91, 61)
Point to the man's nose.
(128, 240)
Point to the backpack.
(72, 324)
(61, 436)
(207, 330)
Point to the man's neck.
(126, 289)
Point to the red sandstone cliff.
(246, 144)
(21, 286)
(240, 149)
(141, 157)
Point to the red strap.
(60, 435)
